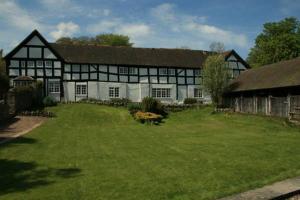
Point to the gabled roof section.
(277, 75)
(227, 54)
(27, 39)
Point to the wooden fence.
(288, 106)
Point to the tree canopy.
(101, 39)
(215, 77)
(278, 41)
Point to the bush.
(49, 101)
(150, 104)
(24, 96)
(147, 117)
(190, 101)
(121, 102)
(134, 107)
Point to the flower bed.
(40, 113)
(148, 117)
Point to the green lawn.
(97, 152)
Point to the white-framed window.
(23, 64)
(81, 89)
(123, 70)
(163, 71)
(198, 93)
(30, 64)
(39, 64)
(171, 71)
(197, 72)
(54, 87)
(132, 70)
(48, 64)
(114, 92)
(161, 92)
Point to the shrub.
(120, 102)
(49, 101)
(150, 104)
(134, 107)
(190, 101)
(147, 117)
(24, 96)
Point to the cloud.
(164, 12)
(65, 30)
(13, 15)
(136, 31)
(195, 27)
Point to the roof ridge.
(148, 48)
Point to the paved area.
(18, 126)
(278, 190)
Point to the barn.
(269, 90)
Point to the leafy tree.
(101, 39)
(217, 47)
(215, 77)
(2, 62)
(278, 41)
(4, 80)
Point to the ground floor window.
(54, 87)
(161, 92)
(81, 89)
(113, 92)
(197, 93)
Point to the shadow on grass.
(4, 125)
(16, 141)
(18, 176)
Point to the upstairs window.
(197, 93)
(39, 64)
(30, 64)
(123, 70)
(197, 72)
(132, 70)
(163, 71)
(48, 64)
(161, 92)
(113, 92)
(171, 71)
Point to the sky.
(149, 23)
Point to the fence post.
(254, 104)
(289, 106)
(269, 105)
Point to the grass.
(98, 152)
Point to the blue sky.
(149, 23)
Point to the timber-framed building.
(74, 72)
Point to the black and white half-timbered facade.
(74, 72)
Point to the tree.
(215, 77)
(278, 41)
(2, 62)
(217, 47)
(101, 39)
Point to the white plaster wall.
(35, 52)
(181, 93)
(35, 41)
(93, 90)
(133, 92)
(69, 91)
(49, 54)
(144, 90)
(22, 53)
